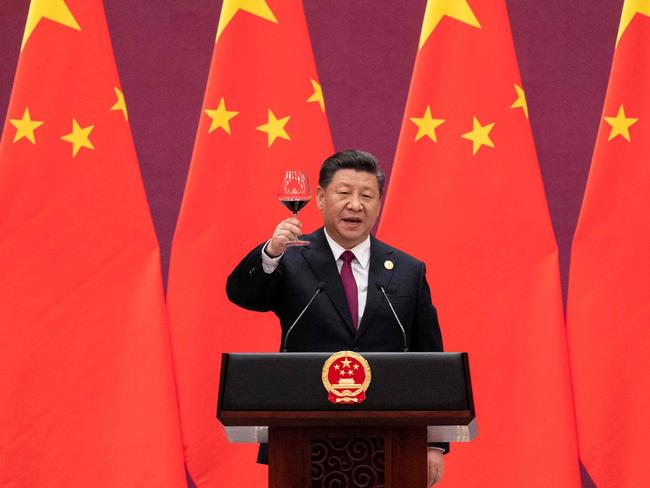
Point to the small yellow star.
(317, 96)
(620, 125)
(220, 117)
(427, 125)
(520, 102)
(54, 10)
(25, 127)
(630, 9)
(437, 9)
(275, 128)
(479, 135)
(79, 137)
(120, 104)
(230, 8)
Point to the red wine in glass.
(294, 205)
(294, 193)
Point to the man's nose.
(355, 203)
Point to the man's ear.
(320, 197)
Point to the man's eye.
(344, 193)
(366, 196)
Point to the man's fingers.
(286, 231)
(434, 477)
(284, 235)
(436, 465)
(292, 224)
(288, 226)
(293, 221)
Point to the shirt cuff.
(269, 264)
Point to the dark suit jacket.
(327, 324)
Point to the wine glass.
(294, 193)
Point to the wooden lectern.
(315, 442)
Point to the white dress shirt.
(360, 265)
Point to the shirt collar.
(361, 251)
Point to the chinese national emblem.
(346, 376)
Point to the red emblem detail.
(346, 376)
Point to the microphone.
(381, 288)
(319, 288)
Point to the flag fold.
(88, 395)
(466, 196)
(609, 299)
(263, 113)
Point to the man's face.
(350, 206)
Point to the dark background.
(364, 52)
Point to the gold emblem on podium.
(346, 376)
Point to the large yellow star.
(620, 125)
(479, 135)
(120, 103)
(521, 100)
(317, 96)
(79, 137)
(230, 8)
(220, 117)
(275, 128)
(54, 10)
(427, 125)
(25, 127)
(630, 9)
(437, 9)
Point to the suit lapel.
(320, 259)
(378, 273)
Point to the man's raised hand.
(286, 231)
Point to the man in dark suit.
(351, 267)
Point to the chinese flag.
(263, 113)
(87, 396)
(466, 196)
(608, 306)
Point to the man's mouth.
(352, 220)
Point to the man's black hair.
(350, 159)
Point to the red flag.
(263, 113)
(466, 196)
(87, 395)
(609, 298)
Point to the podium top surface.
(421, 386)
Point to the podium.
(377, 442)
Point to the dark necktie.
(350, 287)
